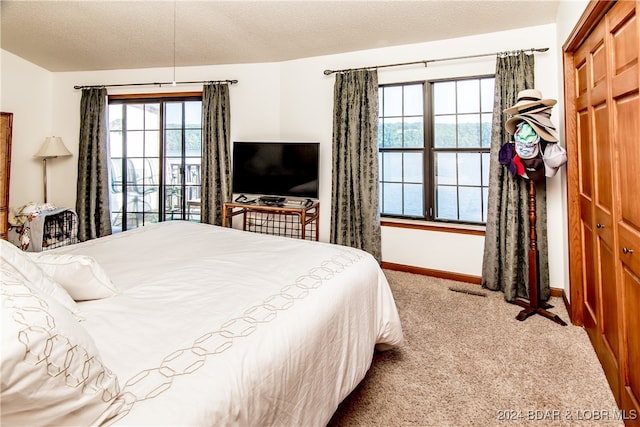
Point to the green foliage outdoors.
(193, 142)
(390, 135)
(173, 136)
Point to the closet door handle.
(627, 251)
(598, 225)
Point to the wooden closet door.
(603, 137)
(596, 202)
(6, 124)
(624, 34)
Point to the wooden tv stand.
(290, 220)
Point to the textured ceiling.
(105, 35)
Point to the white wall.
(27, 93)
(568, 15)
(288, 100)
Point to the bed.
(181, 323)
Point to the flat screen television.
(288, 169)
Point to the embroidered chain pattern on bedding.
(38, 325)
(152, 382)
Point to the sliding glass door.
(155, 157)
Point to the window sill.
(476, 230)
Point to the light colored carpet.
(467, 361)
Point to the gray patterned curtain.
(505, 264)
(216, 185)
(92, 200)
(355, 216)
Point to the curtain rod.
(159, 84)
(427, 61)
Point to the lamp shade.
(53, 147)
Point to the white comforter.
(215, 326)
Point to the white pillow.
(81, 275)
(23, 264)
(51, 371)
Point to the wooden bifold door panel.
(603, 142)
(6, 127)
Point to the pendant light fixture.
(173, 82)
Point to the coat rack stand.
(534, 305)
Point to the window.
(433, 141)
(155, 156)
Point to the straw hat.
(528, 100)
